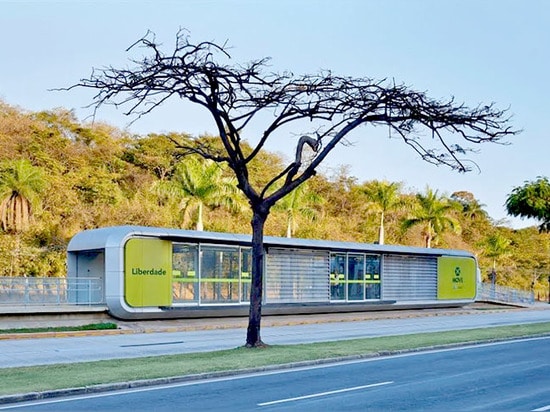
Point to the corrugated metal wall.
(409, 278)
(297, 276)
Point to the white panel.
(297, 276)
(408, 277)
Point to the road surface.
(506, 376)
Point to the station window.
(219, 274)
(246, 274)
(372, 277)
(210, 274)
(185, 273)
(356, 282)
(354, 277)
(338, 276)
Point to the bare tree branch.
(330, 106)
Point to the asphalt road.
(28, 352)
(507, 376)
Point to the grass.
(60, 376)
(91, 326)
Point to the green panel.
(148, 272)
(456, 278)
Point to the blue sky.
(477, 51)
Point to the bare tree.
(321, 108)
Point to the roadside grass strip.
(36, 379)
(91, 326)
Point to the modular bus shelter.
(150, 273)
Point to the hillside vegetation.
(59, 176)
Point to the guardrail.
(488, 292)
(21, 291)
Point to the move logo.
(458, 276)
(149, 272)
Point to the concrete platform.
(56, 316)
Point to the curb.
(121, 386)
(189, 328)
(66, 334)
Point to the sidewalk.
(39, 320)
(140, 339)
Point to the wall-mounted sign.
(148, 272)
(456, 278)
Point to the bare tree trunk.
(200, 226)
(381, 230)
(289, 228)
(253, 337)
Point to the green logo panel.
(148, 272)
(456, 278)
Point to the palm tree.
(384, 197)
(496, 246)
(20, 187)
(471, 208)
(202, 184)
(433, 212)
(299, 202)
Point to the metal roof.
(116, 236)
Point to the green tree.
(532, 200)
(201, 183)
(471, 208)
(154, 153)
(300, 202)
(383, 198)
(526, 263)
(474, 221)
(433, 212)
(20, 186)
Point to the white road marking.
(264, 373)
(317, 395)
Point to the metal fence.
(503, 294)
(18, 291)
